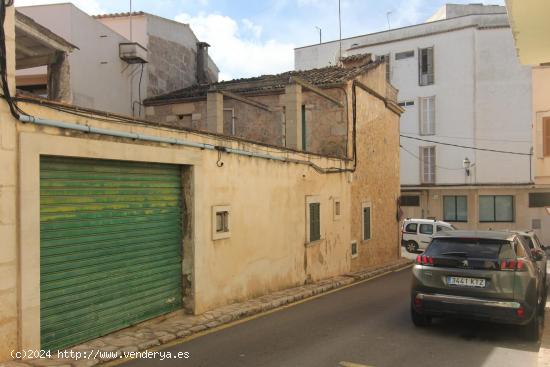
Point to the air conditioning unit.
(132, 53)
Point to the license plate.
(466, 282)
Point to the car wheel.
(533, 330)
(412, 247)
(420, 320)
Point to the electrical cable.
(467, 147)
(476, 138)
(14, 109)
(422, 161)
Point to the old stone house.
(107, 221)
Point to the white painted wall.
(483, 95)
(99, 78)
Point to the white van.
(416, 234)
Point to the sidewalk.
(177, 324)
(544, 351)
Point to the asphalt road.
(366, 324)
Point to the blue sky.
(257, 37)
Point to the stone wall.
(376, 180)
(171, 66)
(326, 128)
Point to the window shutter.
(539, 138)
(430, 66)
(314, 222)
(419, 66)
(431, 115)
(546, 136)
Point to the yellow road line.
(178, 341)
(351, 364)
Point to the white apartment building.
(462, 87)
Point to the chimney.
(202, 63)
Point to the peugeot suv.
(489, 276)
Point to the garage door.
(110, 246)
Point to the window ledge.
(314, 243)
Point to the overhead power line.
(471, 138)
(465, 146)
(422, 161)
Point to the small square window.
(222, 222)
(337, 208)
(221, 225)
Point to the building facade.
(170, 54)
(466, 146)
(107, 221)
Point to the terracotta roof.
(356, 57)
(322, 77)
(115, 15)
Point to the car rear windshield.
(470, 248)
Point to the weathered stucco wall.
(376, 181)
(541, 110)
(8, 211)
(326, 127)
(267, 249)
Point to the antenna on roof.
(131, 21)
(388, 17)
(340, 28)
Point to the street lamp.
(466, 164)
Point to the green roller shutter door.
(110, 246)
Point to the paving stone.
(196, 329)
(166, 338)
(123, 342)
(148, 344)
(86, 363)
(212, 324)
(14, 364)
(129, 349)
(183, 333)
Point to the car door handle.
(425, 241)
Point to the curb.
(167, 329)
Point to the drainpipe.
(232, 119)
(144, 137)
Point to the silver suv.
(416, 234)
(481, 275)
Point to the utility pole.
(320, 33)
(340, 27)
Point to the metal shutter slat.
(111, 242)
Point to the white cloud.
(89, 6)
(237, 48)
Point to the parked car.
(532, 240)
(487, 275)
(416, 234)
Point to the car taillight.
(513, 265)
(424, 260)
(520, 312)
